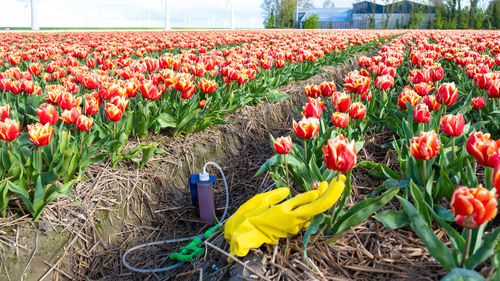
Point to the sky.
(138, 13)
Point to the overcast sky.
(137, 13)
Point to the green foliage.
(312, 22)
(438, 18)
(417, 17)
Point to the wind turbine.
(167, 15)
(34, 15)
(232, 13)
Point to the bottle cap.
(204, 176)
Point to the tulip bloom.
(447, 94)
(339, 154)
(384, 82)
(341, 101)
(340, 120)
(149, 90)
(283, 145)
(473, 206)
(408, 95)
(70, 116)
(47, 113)
(207, 86)
(84, 123)
(202, 104)
(91, 104)
(485, 150)
(9, 129)
(314, 108)
(357, 111)
(67, 101)
(452, 125)
(4, 112)
(40, 135)
(478, 102)
(312, 91)
(425, 146)
(423, 89)
(306, 128)
(436, 72)
(494, 89)
(188, 93)
(421, 113)
(113, 113)
(327, 88)
(120, 102)
(431, 102)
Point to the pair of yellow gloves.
(260, 220)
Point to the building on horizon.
(367, 14)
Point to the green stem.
(39, 154)
(467, 245)
(286, 169)
(453, 149)
(305, 152)
(425, 172)
(337, 178)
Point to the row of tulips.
(441, 132)
(80, 101)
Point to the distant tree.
(417, 17)
(312, 22)
(328, 4)
(472, 13)
(397, 26)
(390, 6)
(438, 19)
(479, 18)
(281, 11)
(372, 23)
(493, 15)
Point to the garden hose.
(191, 251)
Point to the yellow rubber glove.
(254, 224)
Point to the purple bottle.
(206, 198)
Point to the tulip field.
(72, 100)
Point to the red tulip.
(313, 108)
(188, 93)
(478, 102)
(425, 146)
(419, 76)
(242, 78)
(9, 129)
(431, 102)
(70, 116)
(452, 125)
(384, 82)
(84, 123)
(481, 80)
(341, 101)
(4, 112)
(183, 83)
(207, 86)
(47, 113)
(473, 206)
(5, 84)
(339, 154)
(91, 104)
(149, 90)
(283, 145)
(421, 113)
(340, 120)
(306, 128)
(423, 89)
(40, 134)
(494, 89)
(120, 102)
(113, 113)
(408, 95)
(67, 101)
(327, 88)
(356, 83)
(357, 111)
(485, 150)
(447, 94)
(202, 104)
(312, 91)
(436, 72)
